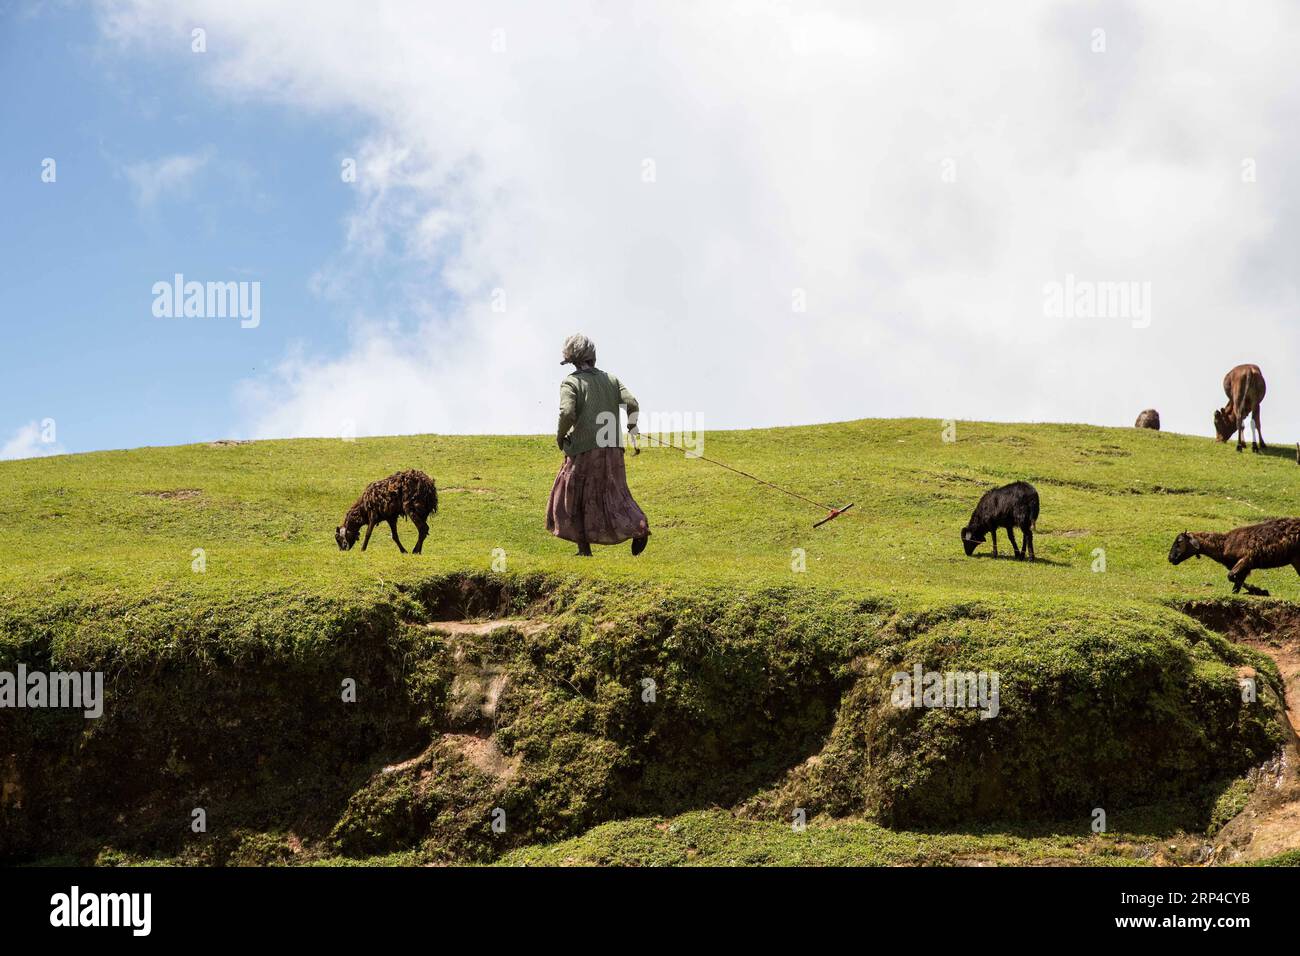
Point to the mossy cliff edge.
(568, 703)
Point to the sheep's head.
(1184, 547)
(971, 539)
(1225, 423)
(346, 537)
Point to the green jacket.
(589, 401)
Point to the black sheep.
(1011, 506)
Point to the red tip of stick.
(833, 514)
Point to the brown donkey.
(1244, 386)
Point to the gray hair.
(578, 350)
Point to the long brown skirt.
(590, 501)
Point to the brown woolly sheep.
(408, 493)
(1269, 544)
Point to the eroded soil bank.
(479, 714)
(1269, 821)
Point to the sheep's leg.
(995, 542)
(392, 526)
(1027, 532)
(1238, 576)
(423, 527)
(1012, 537)
(369, 528)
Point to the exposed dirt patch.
(468, 491)
(475, 692)
(174, 494)
(484, 754)
(1269, 626)
(1072, 533)
(478, 681)
(1270, 822)
(479, 628)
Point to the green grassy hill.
(125, 523)
(205, 581)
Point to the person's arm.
(633, 409)
(568, 410)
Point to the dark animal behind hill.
(1149, 418)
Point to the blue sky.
(79, 256)
(763, 214)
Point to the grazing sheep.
(1244, 386)
(1148, 419)
(1011, 506)
(1269, 544)
(408, 493)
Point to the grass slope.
(125, 523)
(1117, 691)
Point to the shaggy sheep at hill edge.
(1011, 506)
(1269, 544)
(411, 494)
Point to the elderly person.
(590, 503)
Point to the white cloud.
(33, 440)
(152, 180)
(792, 150)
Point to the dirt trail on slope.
(1270, 822)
